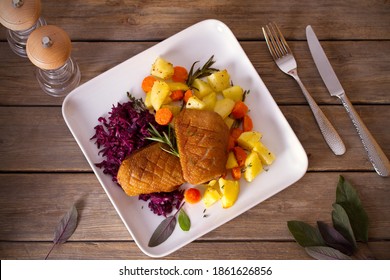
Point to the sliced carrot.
(247, 123)
(147, 83)
(235, 132)
(236, 173)
(239, 110)
(187, 95)
(231, 143)
(180, 74)
(177, 95)
(240, 155)
(192, 195)
(163, 116)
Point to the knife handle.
(375, 153)
(329, 133)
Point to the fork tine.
(275, 41)
(269, 43)
(284, 42)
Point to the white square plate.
(83, 106)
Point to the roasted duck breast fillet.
(202, 140)
(150, 170)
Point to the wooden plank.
(155, 20)
(195, 251)
(363, 69)
(31, 205)
(43, 140)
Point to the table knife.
(375, 154)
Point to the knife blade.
(376, 155)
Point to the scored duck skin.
(150, 170)
(202, 140)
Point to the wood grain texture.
(362, 67)
(245, 250)
(43, 171)
(157, 19)
(31, 205)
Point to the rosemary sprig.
(165, 138)
(246, 92)
(138, 104)
(206, 70)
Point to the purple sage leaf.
(326, 253)
(335, 239)
(163, 231)
(65, 228)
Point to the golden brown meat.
(202, 139)
(150, 170)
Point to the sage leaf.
(65, 228)
(348, 198)
(305, 234)
(341, 223)
(335, 239)
(184, 221)
(163, 231)
(326, 253)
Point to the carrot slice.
(236, 173)
(239, 110)
(247, 123)
(236, 132)
(147, 83)
(231, 143)
(192, 195)
(163, 116)
(240, 155)
(177, 95)
(187, 95)
(180, 74)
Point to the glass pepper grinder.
(49, 48)
(20, 17)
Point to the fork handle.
(329, 133)
(375, 154)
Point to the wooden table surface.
(43, 171)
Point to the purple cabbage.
(163, 203)
(122, 133)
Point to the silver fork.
(286, 62)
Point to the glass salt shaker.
(49, 48)
(21, 18)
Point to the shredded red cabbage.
(124, 132)
(163, 203)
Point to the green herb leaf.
(168, 139)
(348, 198)
(341, 223)
(138, 103)
(335, 239)
(163, 231)
(326, 253)
(184, 221)
(65, 228)
(206, 70)
(305, 234)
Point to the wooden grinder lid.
(18, 15)
(48, 47)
